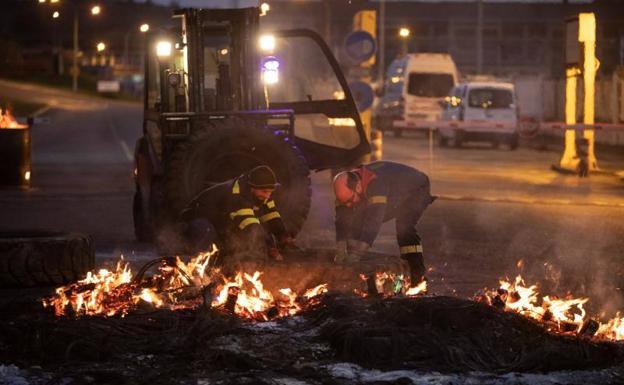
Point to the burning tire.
(225, 149)
(38, 258)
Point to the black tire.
(398, 132)
(225, 149)
(38, 258)
(143, 229)
(513, 142)
(442, 141)
(458, 140)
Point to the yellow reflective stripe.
(411, 249)
(378, 199)
(270, 204)
(236, 188)
(269, 216)
(248, 221)
(242, 212)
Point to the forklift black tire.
(42, 258)
(221, 150)
(143, 229)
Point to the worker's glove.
(287, 243)
(341, 252)
(356, 246)
(275, 254)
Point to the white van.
(486, 112)
(414, 88)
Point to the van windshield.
(429, 85)
(490, 98)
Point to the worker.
(240, 216)
(372, 194)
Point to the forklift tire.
(143, 229)
(221, 150)
(40, 258)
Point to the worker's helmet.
(262, 177)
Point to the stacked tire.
(38, 258)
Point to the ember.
(389, 284)
(7, 120)
(560, 315)
(177, 285)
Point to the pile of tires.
(40, 258)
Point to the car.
(482, 112)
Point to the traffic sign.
(360, 46)
(363, 94)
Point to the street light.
(101, 46)
(264, 9)
(144, 27)
(95, 10)
(404, 35)
(56, 15)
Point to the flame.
(7, 120)
(390, 284)
(115, 292)
(559, 315)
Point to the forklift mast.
(223, 60)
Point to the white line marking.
(42, 110)
(122, 143)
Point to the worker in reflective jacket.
(372, 194)
(240, 216)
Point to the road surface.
(496, 207)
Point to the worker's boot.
(416, 265)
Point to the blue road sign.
(360, 46)
(363, 94)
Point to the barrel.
(15, 157)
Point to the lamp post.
(404, 34)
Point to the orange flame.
(559, 315)
(7, 120)
(115, 292)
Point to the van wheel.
(513, 142)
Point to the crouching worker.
(372, 194)
(240, 217)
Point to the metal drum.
(15, 156)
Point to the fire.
(117, 292)
(390, 284)
(560, 315)
(7, 120)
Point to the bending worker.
(372, 194)
(240, 217)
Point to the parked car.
(485, 111)
(414, 87)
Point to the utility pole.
(479, 36)
(75, 70)
(381, 40)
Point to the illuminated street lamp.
(404, 34)
(56, 15)
(267, 43)
(264, 9)
(95, 10)
(144, 27)
(101, 46)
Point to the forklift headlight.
(270, 70)
(267, 43)
(163, 48)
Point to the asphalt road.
(496, 207)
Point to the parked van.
(414, 88)
(487, 112)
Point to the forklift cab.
(217, 63)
